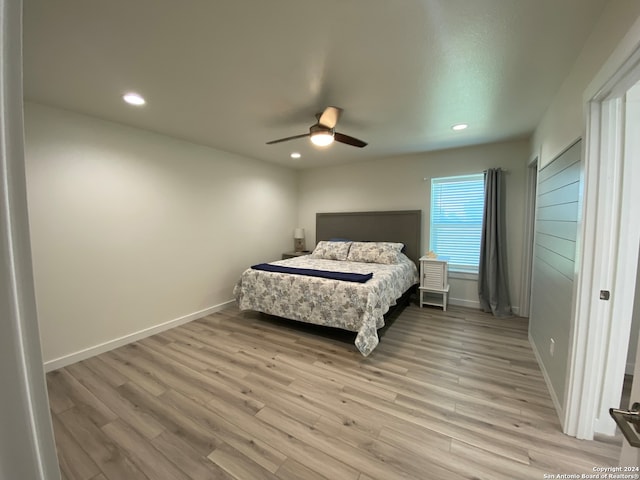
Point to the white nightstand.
(434, 281)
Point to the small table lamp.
(298, 239)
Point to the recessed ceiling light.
(133, 99)
(459, 126)
(295, 155)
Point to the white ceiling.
(234, 74)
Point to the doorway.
(610, 236)
(632, 145)
(632, 352)
(624, 279)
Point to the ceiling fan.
(323, 132)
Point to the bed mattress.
(357, 307)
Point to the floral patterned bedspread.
(357, 307)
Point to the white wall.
(131, 229)
(398, 184)
(552, 283)
(564, 121)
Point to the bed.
(374, 255)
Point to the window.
(457, 205)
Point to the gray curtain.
(493, 287)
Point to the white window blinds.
(457, 205)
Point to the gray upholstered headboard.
(392, 226)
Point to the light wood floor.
(455, 395)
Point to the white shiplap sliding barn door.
(557, 211)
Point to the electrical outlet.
(552, 347)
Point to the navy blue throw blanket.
(309, 272)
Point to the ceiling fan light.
(322, 139)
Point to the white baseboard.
(133, 337)
(547, 380)
(462, 302)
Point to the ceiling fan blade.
(330, 117)
(288, 138)
(342, 138)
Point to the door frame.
(608, 261)
(27, 448)
(531, 197)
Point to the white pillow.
(331, 250)
(375, 252)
